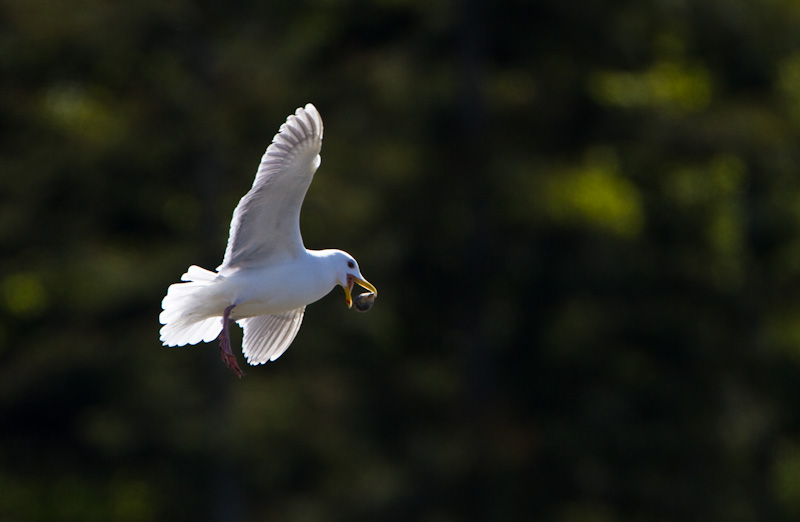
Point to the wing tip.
(311, 116)
(311, 109)
(304, 124)
(267, 337)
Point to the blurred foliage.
(584, 220)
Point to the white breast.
(278, 289)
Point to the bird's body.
(286, 286)
(267, 276)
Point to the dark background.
(583, 219)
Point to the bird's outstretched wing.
(266, 223)
(266, 337)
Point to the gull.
(267, 276)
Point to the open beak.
(351, 282)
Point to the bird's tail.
(182, 316)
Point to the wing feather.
(265, 227)
(266, 337)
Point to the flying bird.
(267, 276)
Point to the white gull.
(267, 276)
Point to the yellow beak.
(348, 289)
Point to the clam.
(363, 302)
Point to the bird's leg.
(225, 344)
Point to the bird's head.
(350, 275)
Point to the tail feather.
(196, 273)
(181, 317)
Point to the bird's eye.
(351, 264)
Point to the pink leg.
(225, 344)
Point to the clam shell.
(363, 302)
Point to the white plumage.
(267, 276)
